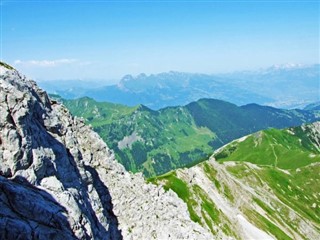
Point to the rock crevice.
(59, 180)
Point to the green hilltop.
(271, 178)
(286, 149)
(155, 142)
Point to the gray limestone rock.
(59, 180)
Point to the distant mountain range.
(155, 142)
(288, 86)
(313, 106)
(71, 88)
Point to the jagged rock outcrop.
(60, 181)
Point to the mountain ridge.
(59, 180)
(266, 200)
(175, 137)
(292, 87)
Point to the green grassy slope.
(229, 121)
(168, 138)
(155, 142)
(287, 149)
(97, 113)
(277, 192)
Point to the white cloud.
(46, 63)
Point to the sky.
(50, 40)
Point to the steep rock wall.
(59, 180)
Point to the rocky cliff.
(59, 180)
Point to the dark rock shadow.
(67, 167)
(27, 212)
(106, 201)
(68, 173)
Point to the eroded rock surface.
(60, 181)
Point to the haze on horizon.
(108, 39)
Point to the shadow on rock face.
(28, 212)
(105, 198)
(30, 207)
(73, 174)
(40, 147)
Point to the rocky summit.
(59, 180)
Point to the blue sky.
(108, 39)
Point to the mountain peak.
(142, 107)
(58, 178)
(286, 66)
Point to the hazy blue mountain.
(172, 89)
(71, 88)
(288, 86)
(313, 106)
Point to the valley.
(155, 142)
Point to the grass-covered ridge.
(201, 208)
(155, 142)
(171, 181)
(6, 65)
(286, 149)
(282, 198)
